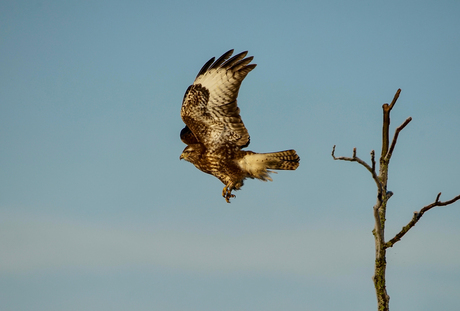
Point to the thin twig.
(373, 160)
(395, 138)
(395, 98)
(416, 218)
(370, 169)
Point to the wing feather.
(221, 59)
(229, 63)
(205, 67)
(242, 63)
(210, 109)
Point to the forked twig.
(354, 158)
(416, 218)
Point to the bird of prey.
(214, 131)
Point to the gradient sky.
(98, 213)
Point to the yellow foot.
(228, 196)
(227, 193)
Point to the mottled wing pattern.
(209, 108)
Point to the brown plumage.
(214, 132)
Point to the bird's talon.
(228, 196)
(227, 193)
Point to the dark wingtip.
(205, 67)
(210, 64)
(237, 62)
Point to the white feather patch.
(256, 166)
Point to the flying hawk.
(214, 132)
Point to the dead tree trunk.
(381, 180)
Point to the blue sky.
(98, 213)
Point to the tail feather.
(258, 165)
(283, 160)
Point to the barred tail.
(283, 160)
(258, 165)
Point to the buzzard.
(214, 132)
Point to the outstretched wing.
(209, 108)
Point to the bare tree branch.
(386, 124)
(373, 160)
(395, 98)
(385, 129)
(356, 159)
(395, 138)
(416, 218)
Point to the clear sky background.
(98, 213)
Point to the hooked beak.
(181, 157)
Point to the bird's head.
(188, 154)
